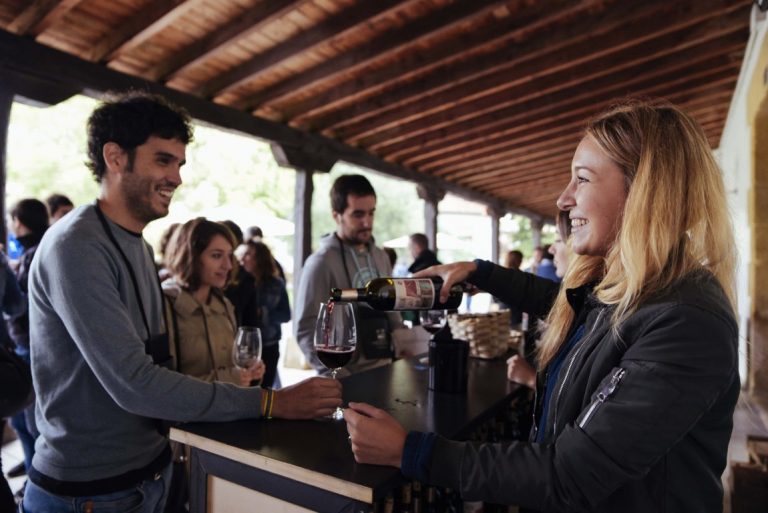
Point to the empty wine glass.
(335, 339)
(246, 350)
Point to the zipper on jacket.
(608, 390)
(570, 364)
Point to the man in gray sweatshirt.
(97, 331)
(347, 258)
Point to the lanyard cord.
(354, 259)
(127, 262)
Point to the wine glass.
(335, 339)
(246, 350)
(432, 320)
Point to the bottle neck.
(348, 294)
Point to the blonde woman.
(639, 377)
(203, 323)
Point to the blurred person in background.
(267, 306)
(58, 206)
(29, 222)
(423, 257)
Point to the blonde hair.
(675, 218)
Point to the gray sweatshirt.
(97, 390)
(324, 270)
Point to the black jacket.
(638, 422)
(426, 258)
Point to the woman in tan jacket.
(202, 324)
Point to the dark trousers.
(6, 496)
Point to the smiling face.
(559, 252)
(594, 199)
(150, 177)
(355, 224)
(215, 263)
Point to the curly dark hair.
(129, 120)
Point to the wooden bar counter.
(286, 466)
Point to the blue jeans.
(147, 497)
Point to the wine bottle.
(402, 294)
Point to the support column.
(536, 226)
(431, 196)
(495, 214)
(6, 102)
(302, 220)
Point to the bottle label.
(414, 294)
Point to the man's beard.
(138, 193)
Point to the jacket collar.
(580, 296)
(186, 304)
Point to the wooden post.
(496, 214)
(536, 225)
(302, 220)
(6, 102)
(431, 196)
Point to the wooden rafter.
(612, 62)
(252, 21)
(334, 27)
(136, 30)
(386, 45)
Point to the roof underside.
(487, 96)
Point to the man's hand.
(310, 399)
(376, 436)
(450, 273)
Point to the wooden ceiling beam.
(459, 59)
(570, 47)
(481, 130)
(363, 12)
(253, 20)
(39, 15)
(568, 135)
(133, 31)
(54, 16)
(556, 123)
(554, 168)
(384, 46)
(23, 55)
(660, 55)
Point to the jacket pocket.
(605, 390)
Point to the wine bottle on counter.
(402, 294)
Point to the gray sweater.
(323, 270)
(97, 390)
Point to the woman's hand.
(253, 373)
(376, 437)
(450, 273)
(520, 371)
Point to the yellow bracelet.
(271, 402)
(264, 401)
